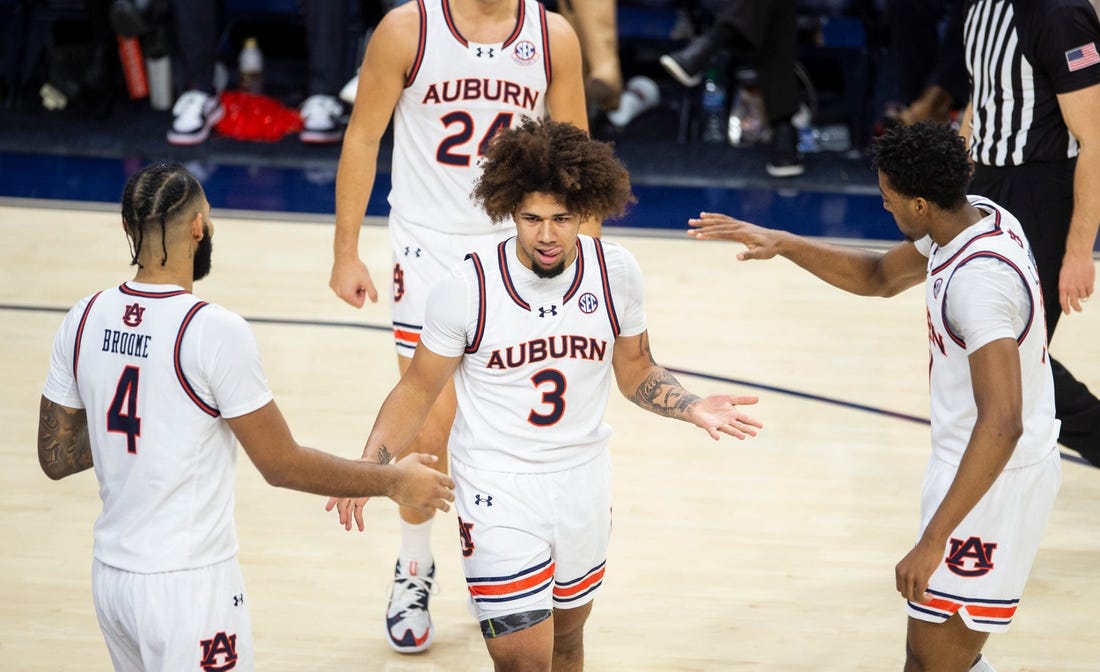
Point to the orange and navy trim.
(571, 591)
(995, 232)
(80, 332)
(520, 14)
(184, 383)
(421, 43)
(988, 255)
(479, 331)
(407, 335)
(990, 612)
(578, 275)
(545, 29)
(150, 295)
(502, 261)
(607, 300)
(497, 589)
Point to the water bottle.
(251, 67)
(747, 122)
(714, 108)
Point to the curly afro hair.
(557, 158)
(928, 160)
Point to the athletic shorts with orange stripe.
(533, 540)
(989, 556)
(421, 258)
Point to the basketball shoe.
(193, 115)
(408, 624)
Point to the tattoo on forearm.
(63, 447)
(384, 456)
(662, 394)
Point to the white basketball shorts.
(188, 620)
(989, 555)
(421, 258)
(533, 541)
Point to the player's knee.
(499, 626)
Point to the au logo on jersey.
(132, 316)
(936, 287)
(970, 558)
(524, 52)
(588, 303)
(219, 654)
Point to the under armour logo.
(238, 599)
(548, 310)
(485, 52)
(480, 499)
(409, 250)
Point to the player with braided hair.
(154, 387)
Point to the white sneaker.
(193, 115)
(408, 624)
(347, 94)
(322, 120)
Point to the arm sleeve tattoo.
(660, 392)
(63, 447)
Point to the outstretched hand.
(417, 485)
(760, 243)
(718, 414)
(350, 280)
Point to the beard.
(550, 271)
(203, 255)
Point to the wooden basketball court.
(770, 554)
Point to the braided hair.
(154, 195)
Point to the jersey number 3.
(126, 421)
(552, 396)
(446, 153)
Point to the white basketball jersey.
(536, 354)
(458, 95)
(998, 237)
(156, 370)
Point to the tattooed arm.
(655, 389)
(63, 447)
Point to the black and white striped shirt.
(1021, 54)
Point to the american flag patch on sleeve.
(1082, 57)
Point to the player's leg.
(569, 638)
(521, 642)
(942, 647)
(408, 622)
(113, 611)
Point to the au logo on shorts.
(970, 558)
(219, 654)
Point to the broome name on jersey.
(481, 88)
(126, 343)
(552, 347)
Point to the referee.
(1033, 124)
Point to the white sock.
(983, 665)
(416, 546)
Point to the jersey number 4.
(447, 154)
(126, 421)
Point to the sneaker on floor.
(687, 64)
(193, 115)
(408, 624)
(348, 93)
(322, 120)
(784, 159)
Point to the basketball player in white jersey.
(995, 469)
(451, 74)
(533, 329)
(153, 387)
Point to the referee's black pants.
(1040, 195)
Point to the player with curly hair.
(995, 468)
(533, 330)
